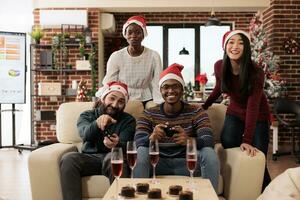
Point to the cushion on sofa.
(216, 114)
(135, 108)
(67, 113)
(67, 133)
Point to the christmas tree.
(274, 85)
(188, 91)
(259, 44)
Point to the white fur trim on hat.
(134, 22)
(101, 90)
(105, 90)
(232, 33)
(171, 76)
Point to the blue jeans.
(207, 165)
(232, 136)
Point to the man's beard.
(111, 111)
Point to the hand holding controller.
(169, 131)
(107, 133)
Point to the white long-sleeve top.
(141, 73)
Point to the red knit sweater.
(252, 109)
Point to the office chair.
(282, 107)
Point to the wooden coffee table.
(204, 189)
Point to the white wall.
(16, 16)
(157, 6)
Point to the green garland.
(59, 43)
(81, 39)
(92, 60)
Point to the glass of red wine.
(191, 158)
(154, 157)
(117, 167)
(131, 156)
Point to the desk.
(204, 191)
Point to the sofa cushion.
(68, 114)
(135, 108)
(66, 120)
(216, 114)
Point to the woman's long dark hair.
(247, 72)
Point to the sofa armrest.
(242, 174)
(44, 173)
(94, 186)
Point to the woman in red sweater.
(247, 118)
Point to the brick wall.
(42, 129)
(282, 20)
(241, 19)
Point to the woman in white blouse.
(137, 66)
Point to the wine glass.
(116, 167)
(154, 157)
(131, 156)
(191, 157)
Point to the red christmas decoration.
(202, 78)
(82, 91)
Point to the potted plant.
(202, 80)
(66, 36)
(37, 34)
(56, 40)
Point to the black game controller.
(169, 131)
(107, 132)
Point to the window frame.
(196, 27)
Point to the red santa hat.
(113, 86)
(139, 20)
(172, 72)
(229, 34)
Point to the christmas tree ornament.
(82, 91)
(274, 85)
(291, 46)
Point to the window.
(177, 41)
(154, 40)
(203, 43)
(211, 50)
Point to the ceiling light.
(184, 52)
(213, 20)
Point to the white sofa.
(285, 186)
(240, 176)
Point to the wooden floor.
(14, 179)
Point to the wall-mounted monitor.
(12, 67)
